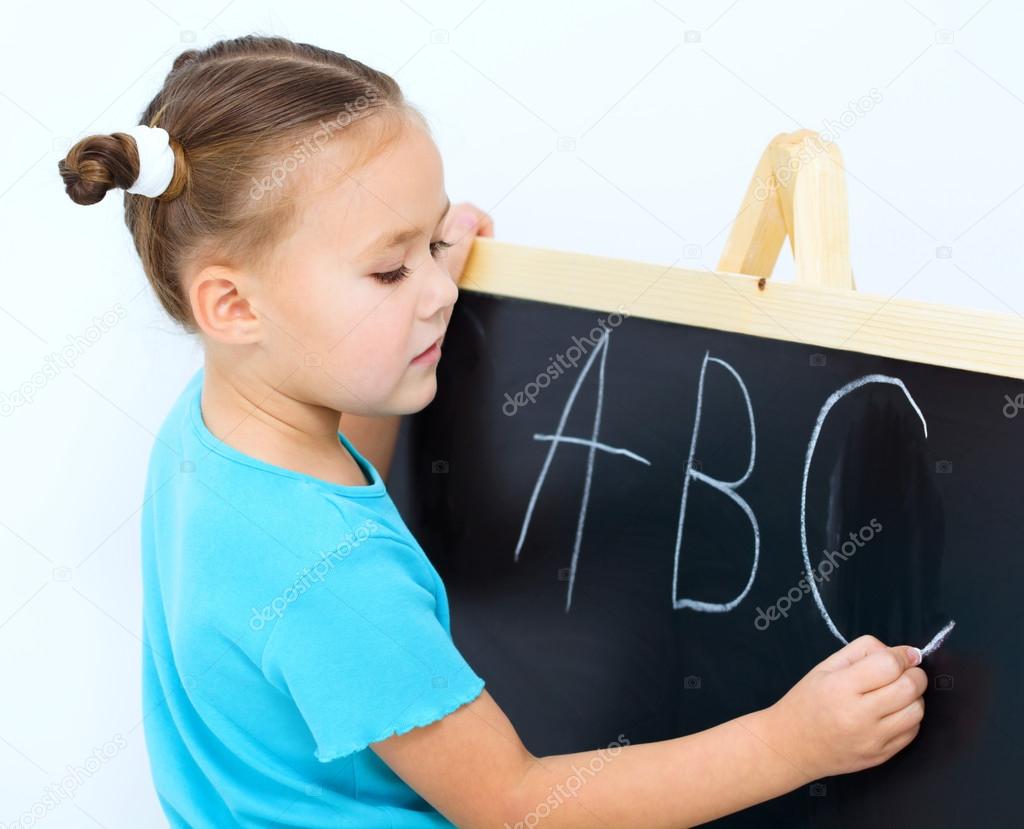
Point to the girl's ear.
(219, 306)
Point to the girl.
(289, 207)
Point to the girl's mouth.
(430, 355)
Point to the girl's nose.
(442, 291)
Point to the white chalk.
(939, 637)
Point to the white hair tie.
(156, 160)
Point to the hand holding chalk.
(855, 709)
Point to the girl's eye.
(391, 277)
(439, 246)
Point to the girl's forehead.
(400, 187)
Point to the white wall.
(667, 130)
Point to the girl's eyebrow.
(390, 240)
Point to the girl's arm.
(854, 710)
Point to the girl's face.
(361, 288)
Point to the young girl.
(289, 207)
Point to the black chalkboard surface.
(555, 524)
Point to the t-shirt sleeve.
(362, 652)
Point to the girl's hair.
(242, 115)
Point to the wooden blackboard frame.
(848, 320)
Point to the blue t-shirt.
(288, 623)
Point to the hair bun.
(101, 162)
(96, 164)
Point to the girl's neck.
(265, 423)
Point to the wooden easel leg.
(798, 191)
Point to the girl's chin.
(417, 395)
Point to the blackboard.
(585, 631)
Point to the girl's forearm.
(663, 785)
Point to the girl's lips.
(430, 354)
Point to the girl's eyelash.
(391, 277)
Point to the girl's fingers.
(907, 718)
(900, 741)
(465, 224)
(486, 227)
(467, 221)
(881, 667)
(898, 694)
(853, 652)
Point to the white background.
(667, 129)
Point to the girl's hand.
(853, 710)
(465, 222)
